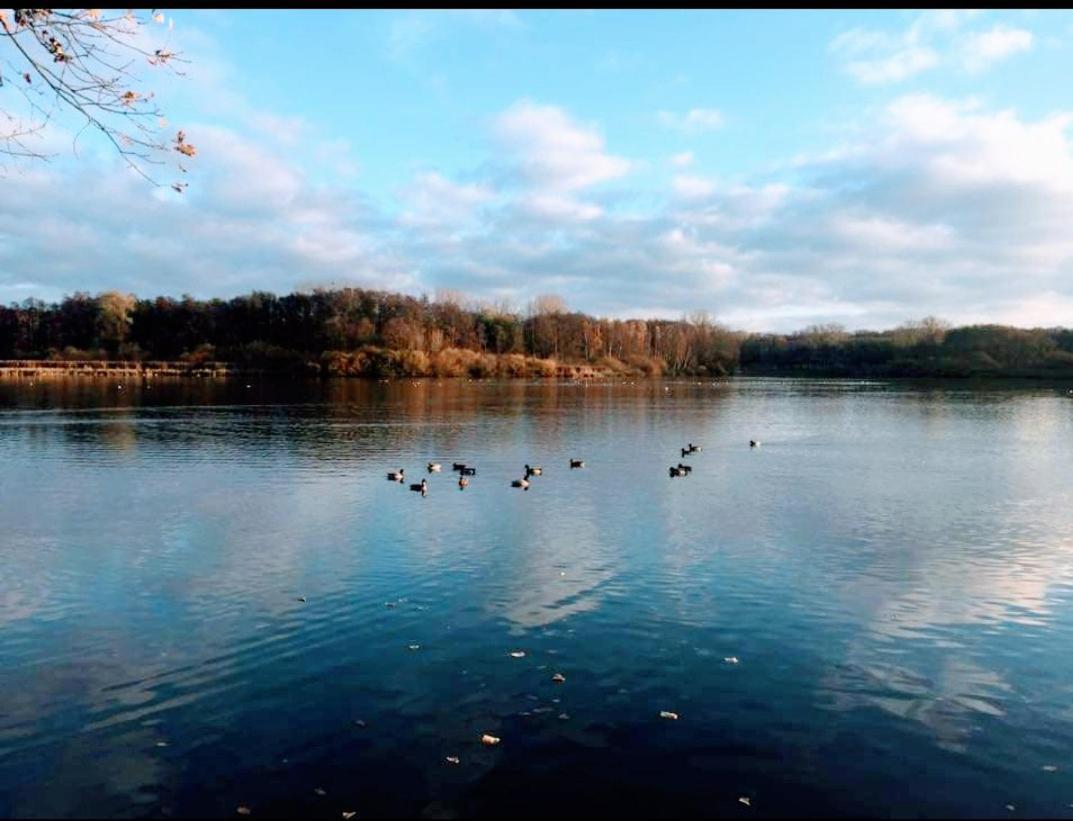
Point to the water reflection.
(892, 567)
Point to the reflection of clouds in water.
(1002, 573)
(562, 561)
(26, 590)
(973, 541)
(948, 705)
(941, 598)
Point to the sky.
(775, 168)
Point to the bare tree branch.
(85, 63)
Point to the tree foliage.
(354, 330)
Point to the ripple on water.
(890, 570)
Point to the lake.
(870, 613)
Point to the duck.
(577, 463)
(462, 482)
(421, 487)
(675, 471)
(469, 471)
(534, 471)
(754, 443)
(434, 467)
(685, 470)
(458, 466)
(522, 483)
(397, 475)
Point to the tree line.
(356, 331)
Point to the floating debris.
(745, 800)
(301, 598)
(162, 744)
(243, 810)
(564, 716)
(517, 654)
(348, 814)
(320, 791)
(1010, 807)
(668, 714)
(730, 659)
(490, 740)
(453, 759)
(390, 604)
(558, 678)
(1049, 768)
(360, 723)
(415, 646)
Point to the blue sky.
(774, 168)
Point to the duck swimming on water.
(421, 488)
(397, 475)
(577, 463)
(522, 483)
(462, 482)
(434, 467)
(533, 471)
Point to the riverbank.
(365, 363)
(378, 363)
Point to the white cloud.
(886, 234)
(250, 219)
(981, 50)
(683, 159)
(928, 206)
(555, 152)
(435, 200)
(413, 31)
(694, 121)
(692, 187)
(558, 208)
(935, 38)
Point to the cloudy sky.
(775, 168)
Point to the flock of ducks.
(465, 471)
(685, 470)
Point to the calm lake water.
(892, 569)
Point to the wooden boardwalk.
(47, 368)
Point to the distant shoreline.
(532, 368)
(491, 366)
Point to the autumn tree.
(114, 319)
(544, 313)
(82, 63)
(930, 330)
